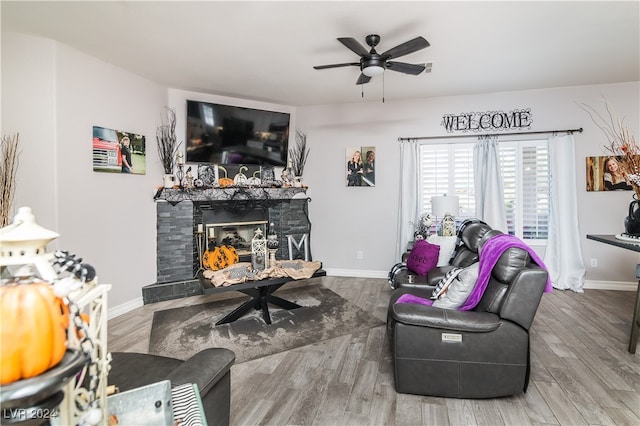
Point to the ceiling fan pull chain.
(382, 87)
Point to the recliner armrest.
(205, 368)
(436, 274)
(446, 319)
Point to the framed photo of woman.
(360, 166)
(605, 174)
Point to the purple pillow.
(423, 257)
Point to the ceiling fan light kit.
(373, 63)
(372, 70)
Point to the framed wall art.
(604, 174)
(116, 151)
(361, 166)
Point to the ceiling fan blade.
(363, 79)
(354, 45)
(322, 67)
(406, 48)
(405, 68)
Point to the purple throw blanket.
(491, 252)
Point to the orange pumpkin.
(33, 330)
(224, 182)
(230, 254)
(217, 258)
(212, 259)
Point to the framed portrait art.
(604, 174)
(360, 166)
(116, 151)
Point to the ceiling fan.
(373, 63)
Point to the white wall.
(53, 96)
(28, 108)
(346, 219)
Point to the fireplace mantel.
(175, 196)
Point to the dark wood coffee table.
(261, 294)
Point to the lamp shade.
(442, 205)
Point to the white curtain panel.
(563, 255)
(409, 203)
(488, 184)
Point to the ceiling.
(266, 50)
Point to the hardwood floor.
(582, 373)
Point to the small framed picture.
(267, 174)
(361, 166)
(117, 151)
(605, 174)
(208, 174)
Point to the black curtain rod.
(570, 131)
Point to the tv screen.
(224, 134)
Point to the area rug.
(182, 332)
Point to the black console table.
(635, 324)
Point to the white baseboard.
(124, 308)
(357, 273)
(611, 285)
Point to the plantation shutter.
(535, 191)
(448, 169)
(509, 165)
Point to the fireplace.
(231, 215)
(236, 229)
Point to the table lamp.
(445, 207)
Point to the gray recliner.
(481, 353)
(209, 369)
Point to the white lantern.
(258, 251)
(23, 243)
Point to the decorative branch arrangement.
(622, 144)
(299, 153)
(167, 143)
(8, 170)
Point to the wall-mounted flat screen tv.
(224, 134)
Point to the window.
(448, 169)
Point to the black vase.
(632, 222)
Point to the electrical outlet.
(594, 263)
(359, 255)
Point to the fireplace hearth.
(223, 215)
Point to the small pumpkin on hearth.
(33, 331)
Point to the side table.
(635, 324)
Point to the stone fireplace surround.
(180, 211)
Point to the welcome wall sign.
(517, 119)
